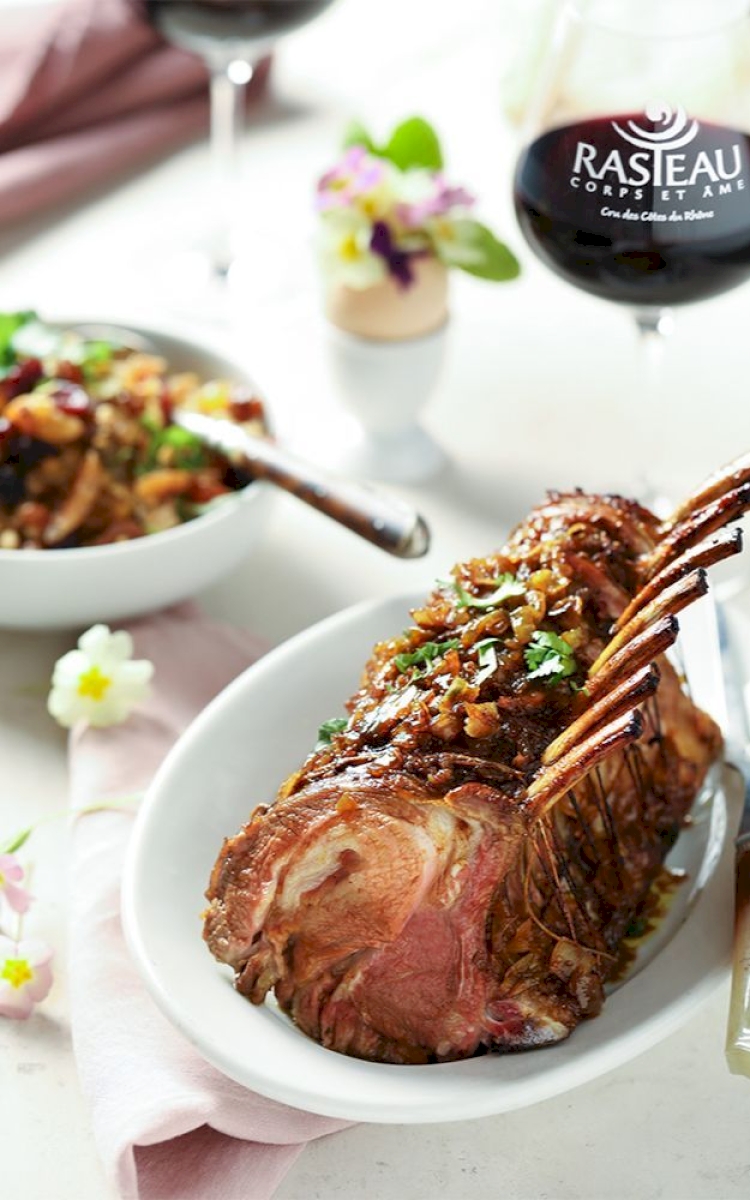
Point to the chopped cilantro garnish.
(188, 451)
(329, 728)
(23, 335)
(549, 657)
(424, 655)
(487, 658)
(92, 355)
(508, 588)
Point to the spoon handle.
(389, 524)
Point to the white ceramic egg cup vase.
(385, 385)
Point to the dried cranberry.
(132, 405)
(12, 488)
(6, 429)
(167, 405)
(203, 490)
(71, 399)
(21, 378)
(243, 406)
(70, 371)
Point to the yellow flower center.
(445, 230)
(17, 972)
(2, 880)
(369, 206)
(349, 250)
(93, 683)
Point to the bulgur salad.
(88, 451)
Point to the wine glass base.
(410, 456)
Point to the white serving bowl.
(63, 589)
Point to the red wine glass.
(231, 36)
(634, 178)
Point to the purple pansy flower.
(399, 262)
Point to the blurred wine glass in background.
(231, 36)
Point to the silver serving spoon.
(389, 524)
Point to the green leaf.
(508, 588)
(329, 728)
(10, 323)
(475, 249)
(17, 842)
(424, 655)
(549, 657)
(414, 143)
(355, 134)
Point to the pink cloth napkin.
(88, 91)
(168, 1125)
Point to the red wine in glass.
(205, 26)
(649, 211)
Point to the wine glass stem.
(654, 327)
(227, 106)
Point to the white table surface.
(540, 389)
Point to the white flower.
(344, 249)
(99, 682)
(25, 976)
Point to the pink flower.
(443, 199)
(11, 874)
(356, 174)
(25, 976)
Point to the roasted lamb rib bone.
(555, 780)
(669, 602)
(726, 479)
(644, 648)
(720, 545)
(620, 699)
(687, 532)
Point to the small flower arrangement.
(383, 208)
